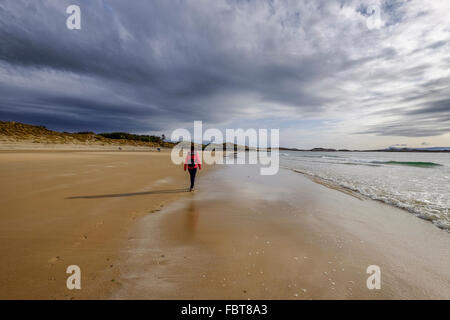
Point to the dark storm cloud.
(429, 119)
(440, 107)
(421, 128)
(154, 65)
(165, 56)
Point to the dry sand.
(240, 236)
(64, 208)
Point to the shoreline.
(244, 236)
(355, 193)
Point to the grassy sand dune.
(16, 135)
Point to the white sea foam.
(417, 182)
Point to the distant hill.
(390, 149)
(16, 132)
(419, 149)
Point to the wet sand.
(246, 236)
(63, 208)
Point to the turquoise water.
(417, 182)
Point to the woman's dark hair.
(192, 147)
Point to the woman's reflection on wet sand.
(191, 220)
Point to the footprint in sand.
(54, 259)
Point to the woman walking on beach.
(191, 163)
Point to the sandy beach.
(126, 219)
(64, 208)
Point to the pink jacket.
(196, 160)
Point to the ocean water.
(417, 182)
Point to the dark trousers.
(192, 173)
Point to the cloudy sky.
(326, 73)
